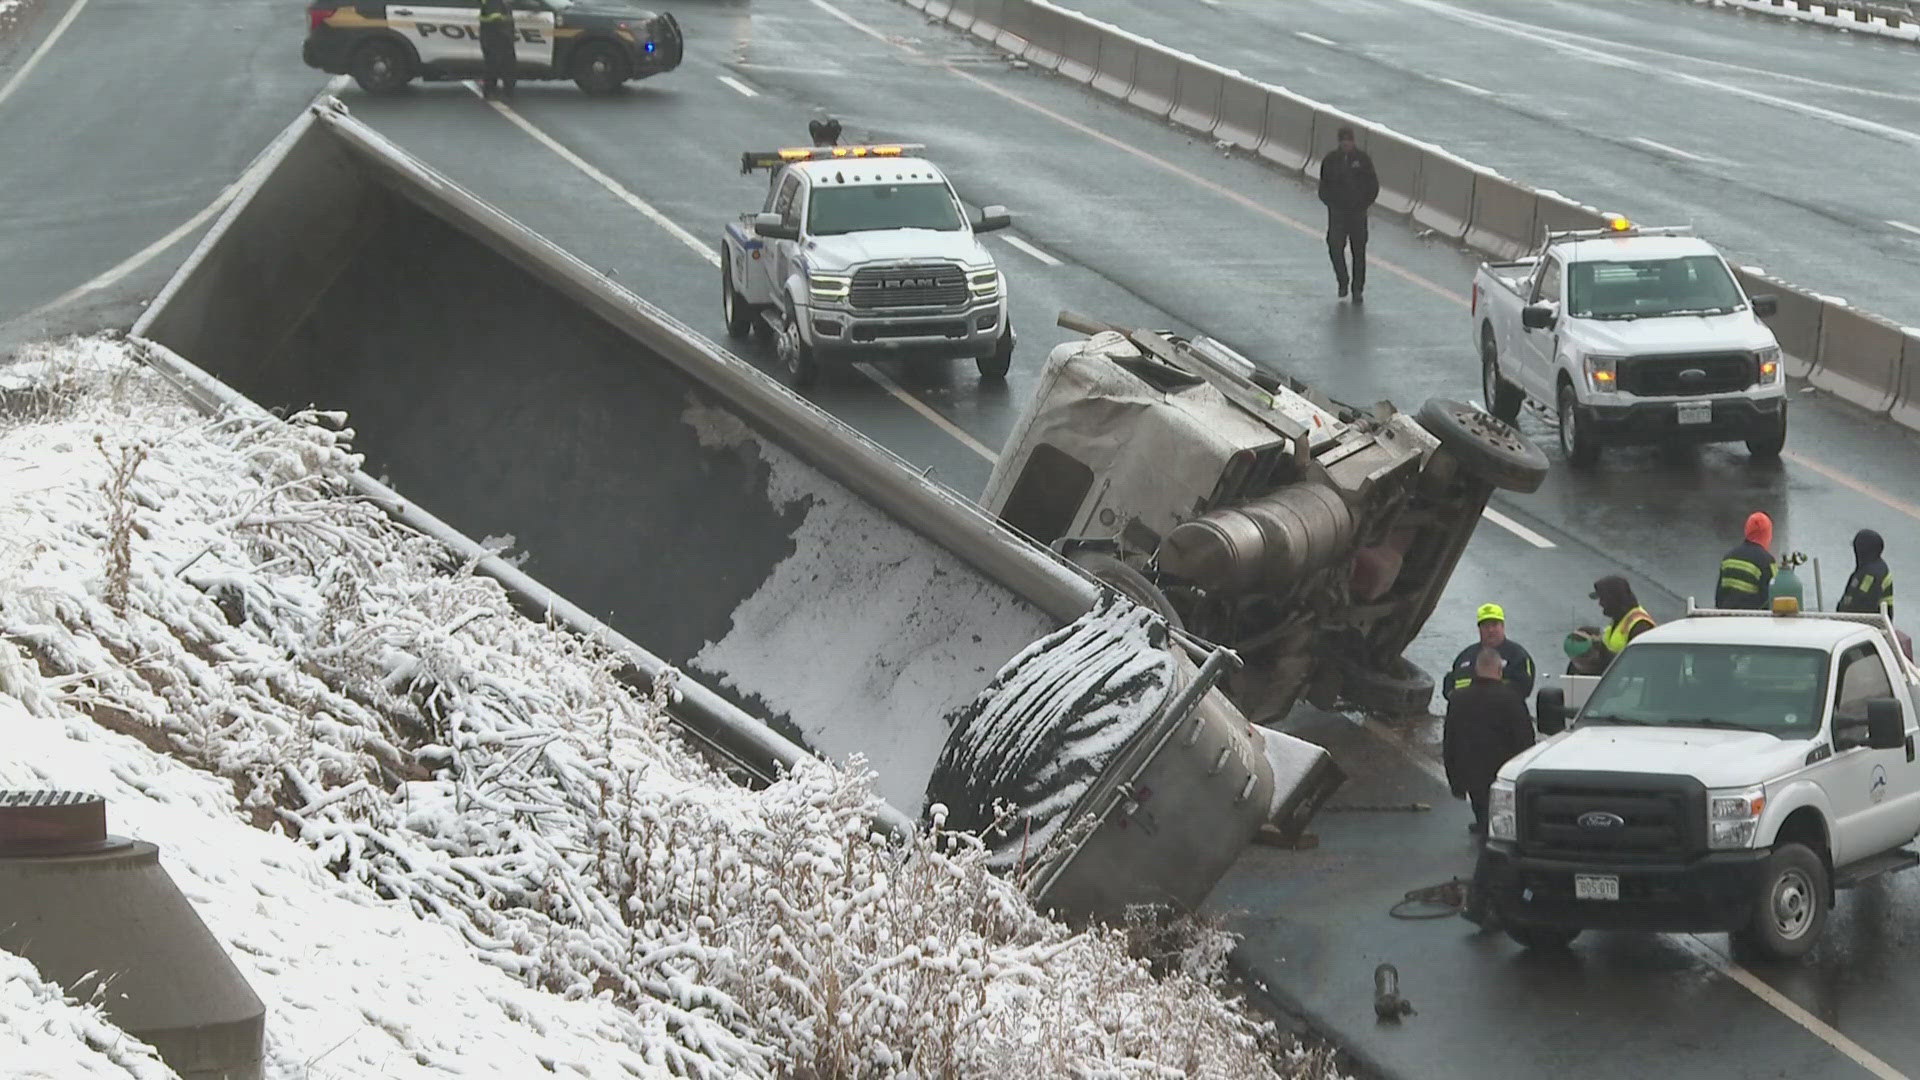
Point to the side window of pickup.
(1863, 677)
(788, 205)
(1546, 287)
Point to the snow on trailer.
(744, 536)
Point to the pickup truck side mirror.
(1765, 305)
(1886, 726)
(991, 218)
(1550, 711)
(772, 227)
(1538, 316)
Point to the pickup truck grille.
(1684, 376)
(1662, 818)
(941, 285)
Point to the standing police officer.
(1518, 672)
(496, 46)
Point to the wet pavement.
(1150, 225)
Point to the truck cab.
(1630, 335)
(864, 253)
(1729, 772)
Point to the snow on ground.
(442, 840)
(48, 1037)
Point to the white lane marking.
(1676, 151)
(1468, 87)
(1667, 71)
(1915, 229)
(1516, 528)
(712, 255)
(1712, 957)
(1031, 250)
(740, 86)
(33, 61)
(926, 410)
(1315, 38)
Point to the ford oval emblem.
(1692, 374)
(1601, 819)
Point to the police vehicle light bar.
(768, 159)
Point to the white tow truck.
(862, 253)
(1630, 335)
(1729, 772)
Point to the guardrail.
(1867, 360)
(1883, 19)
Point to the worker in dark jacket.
(1626, 619)
(1487, 723)
(1746, 573)
(1348, 185)
(1493, 635)
(496, 46)
(1871, 584)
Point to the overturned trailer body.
(816, 593)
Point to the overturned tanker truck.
(1312, 537)
(815, 593)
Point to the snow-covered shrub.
(375, 699)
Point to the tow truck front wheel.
(739, 314)
(797, 356)
(1791, 909)
(1487, 446)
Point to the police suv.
(599, 44)
(864, 252)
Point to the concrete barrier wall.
(1156, 78)
(1196, 102)
(1906, 401)
(1243, 113)
(1796, 325)
(1446, 195)
(989, 15)
(1047, 37)
(1557, 212)
(1860, 357)
(1289, 136)
(1119, 57)
(1015, 28)
(1080, 59)
(1399, 163)
(1505, 217)
(963, 12)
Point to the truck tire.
(1128, 582)
(1791, 908)
(1543, 938)
(996, 364)
(739, 314)
(1490, 448)
(1503, 397)
(1578, 443)
(599, 69)
(382, 66)
(1767, 445)
(1401, 689)
(796, 356)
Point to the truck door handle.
(402, 11)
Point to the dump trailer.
(1311, 536)
(816, 593)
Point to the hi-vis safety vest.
(494, 13)
(1617, 634)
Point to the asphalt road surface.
(1126, 219)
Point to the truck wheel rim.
(726, 291)
(790, 348)
(1569, 430)
(1792, 904)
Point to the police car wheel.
(599, 69)
(802, 370)
(739, 313)
(1486, 446)
(382, 67)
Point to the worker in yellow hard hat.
(1518, 672)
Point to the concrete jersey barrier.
(1288, 140)
(1906, 401)
(1446, 195)
(1243, 113)
(1796, 325)
(1860, 357)
(1505, 220)
(1196, 101)
(1399, 163)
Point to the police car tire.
(598, 68)
(375, 79)
(1486, 446)
(739, 314)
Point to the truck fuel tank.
(1265, 544)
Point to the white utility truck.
(1729, 772)
(864, 253)
(1630, 335)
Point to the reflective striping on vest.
(1739, 575)
(1616, 636)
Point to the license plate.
(1696, 412)
(1596, 886)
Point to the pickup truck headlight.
(1766, 363)
(984, 283)
(1733, 816)
(1502, 822)
(829, 287)
(1602, 371)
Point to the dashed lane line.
(744, 89)
(33, 61)
(1468, 87)
(1676, 151)
(712, 255)
(1031, 250)
(1315, 38)
(1516, 528)
(1904, 227)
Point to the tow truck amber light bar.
(1617, 227)
(767, 159)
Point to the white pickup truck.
(1727, 773)
(1630, 335)
(862, 253)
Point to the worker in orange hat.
(1746, 573)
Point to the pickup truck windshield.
(1750, 687)
(1650, 288)
(838, 210)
